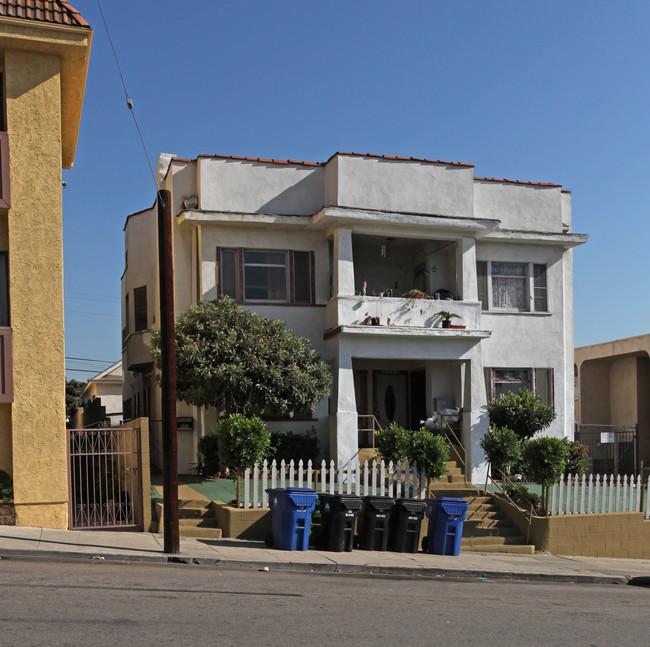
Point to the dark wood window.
(302, 277)
(4, 289)
(539, 287)
(228, 271)
(481, 278)
(140, 309)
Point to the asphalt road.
(106, 603)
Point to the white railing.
(600, 494)
(399, 480)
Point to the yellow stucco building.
(44, 51)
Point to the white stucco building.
(298, 241)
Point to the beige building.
(612, 387)
(44, 51)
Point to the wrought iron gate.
(613, 449)
(104, 478)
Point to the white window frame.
(284, 266)
(529, 286)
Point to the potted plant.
(447, 317)
(412, 295)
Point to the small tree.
(208, 455)
(73, 391)
(502, 448)
(430, 452)
(545, 460)
(393, 443)
(243, 442)
(523, 412)
(239, 362)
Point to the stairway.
(488, 530)
(195, 519)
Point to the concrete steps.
(195, 519)
(487, 529)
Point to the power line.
(87, 359)
(98, 314)
(129, 102)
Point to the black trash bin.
(374, 522)
(338, 521)
(405, 523)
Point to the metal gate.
(104, 478)
(613, 449)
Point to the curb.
(306, 567)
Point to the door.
(390, 397)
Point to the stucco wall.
(33, 101)
(521, 207)
(379, 184)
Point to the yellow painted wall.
(33, 106)
(623, 391)
(5, 409)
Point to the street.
(111, 603)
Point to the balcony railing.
(5, 200)
(401, 312)
(6, 367)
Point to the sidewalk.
(133, 546)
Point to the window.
(126, 329)
(504, 380)
(270, 276)
(4, 289)
(140, 318)
(265, 276)
(512, 287)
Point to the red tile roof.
(405, 159)
(496, 179)
(58, 12)
(261, 159)
(388, 157)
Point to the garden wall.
(613, 534)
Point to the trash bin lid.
(342, 501)
(414, 506)
(379, 503)
(451, 506)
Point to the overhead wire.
(129, 102)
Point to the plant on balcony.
(413, 297)
(447, 317)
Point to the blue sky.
(550, 92)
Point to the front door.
(390, 397)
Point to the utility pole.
(168, 373)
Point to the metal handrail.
(375, 425)
(458, 443)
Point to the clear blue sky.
(549, 91)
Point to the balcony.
(404, 316)
(136, 352)
(6, 366)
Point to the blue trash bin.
(446, 516)
(291, 510)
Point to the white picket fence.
(600, 494)
(376, 479)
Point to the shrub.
(6, 487)
(243, 442)
(523, 412)
(522, 496)
(578, 462)
(502, 448)
(545, 461)
(430, 452)
(392, 443)
(208, 456)
(287, 445)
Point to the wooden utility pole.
(168, 373)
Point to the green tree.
(523, 412)
(392, 443)
(242, 443)
(545, 461)
(578, 462)
(73, 391)
(430, 452)
(502, 448)
(240, 362)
